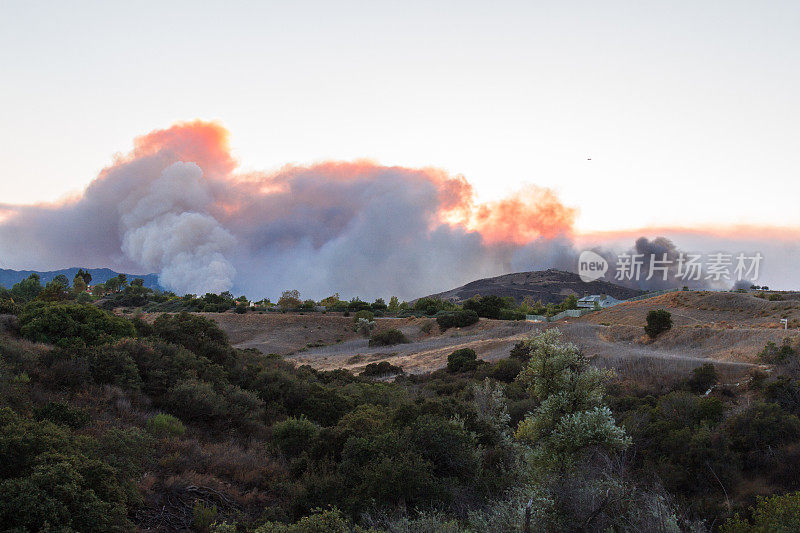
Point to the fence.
(571, 313)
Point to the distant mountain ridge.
(546, 286)
(99, 275)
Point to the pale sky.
(688, 110)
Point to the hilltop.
(547, 286)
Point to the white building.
(597, 300)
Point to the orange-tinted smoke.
(531, 214)
(202, 142)
(524, 217)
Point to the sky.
(636, 113)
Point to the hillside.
(547, 286)
(9, 277)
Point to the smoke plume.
(178, 205)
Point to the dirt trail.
(727, 328)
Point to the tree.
(112, 284)
(290, 299)
(27, 289)
(571, 416)
(394, 304)
(486, 306)
(330, 301)
(658, 321)
(56, 290)
(78, 284)
(87, 278)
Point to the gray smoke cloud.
(166, 228)
(176, 205)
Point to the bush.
(658, 321)
(293, 436)
(703, 378)
(108, 365)
(505, 370)
(384, 368)
(48, 482)
(456, 319)
(164, 425)
(8, 307)
(774, 354)
(761, 427)
(56, 323)
(430, 306)
(388, 338)
(462, 360)
(321, 521)
(521, 351)
(63, 415)
(364, 326)
(511, 314)
(772, 513)
(84, 298)
(366, 315)
(197, 334)
(489, 306)
(196, 400)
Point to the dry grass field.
(728, 329)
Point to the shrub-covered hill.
(114, 424)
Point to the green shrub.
(111, 366)
(759, 428)
(771, 514)
(8, 307)
(197, 334)
(521, 351)
(456, 319)
(430, 306)
(48, 478)
(505, 370)
(489, 306)
(388, 338)
(774, 354)
(511, 314)
(658, 321)
(703, 378)
(321, 521)
(293, 436)
(366, 315)
(197, 400)
(84, 298)
(52, 323)
(203, 516)
(462, 360)
(62, 414)
(384, 368)
(164, 425)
